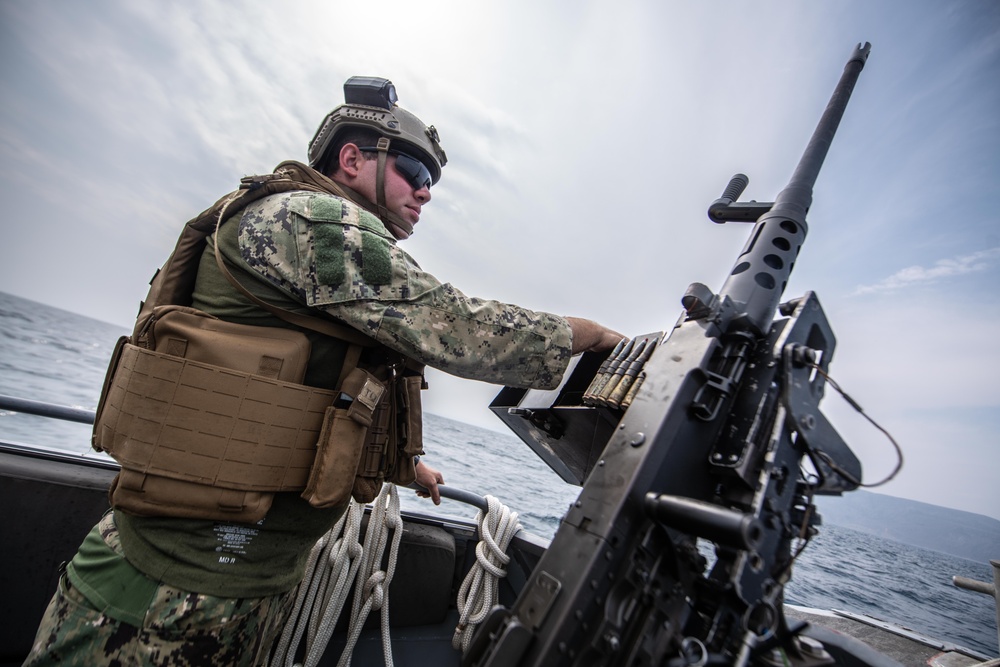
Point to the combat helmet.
(371, 102)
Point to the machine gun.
(705, 444)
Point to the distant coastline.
(954, 532)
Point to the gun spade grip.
(712, 522)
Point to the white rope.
(479, 591)
(292, 633)
(338, 561)
(371, 591)
(335, 558)
(344, 559)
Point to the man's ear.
(351, 160)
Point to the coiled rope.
(336, 563)
(372, 589)
(330, 572)
(479, 591)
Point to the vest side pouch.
(342, 439)
(394, 438)
(410, 431)
(370, 472)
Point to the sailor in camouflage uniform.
(165, 590)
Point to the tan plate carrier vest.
(209, 419)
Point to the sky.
(585, 142)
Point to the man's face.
(401, 197)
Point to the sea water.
(51, 355)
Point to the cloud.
(582, 157)
(941, 269)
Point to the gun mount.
(703, 446)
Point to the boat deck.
(892, 641)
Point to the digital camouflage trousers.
(180, 629)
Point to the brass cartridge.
(615, 359)
(604, 367)
(633, 390)
(618, 373)
(629, 376)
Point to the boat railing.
(986, 588)
(50, 410)
(84, 416)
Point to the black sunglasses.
(410, 168)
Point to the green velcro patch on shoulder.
(377, 267)
(327, 208)
(368, 221)
(329, 253)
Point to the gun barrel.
(761, 271)
(812, 159)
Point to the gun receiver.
(705, 449)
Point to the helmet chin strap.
(385, 215)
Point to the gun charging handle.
(727, 209)
(737, 184)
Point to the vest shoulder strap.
(173, 284)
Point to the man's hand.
(429, 478)
(589, 336)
